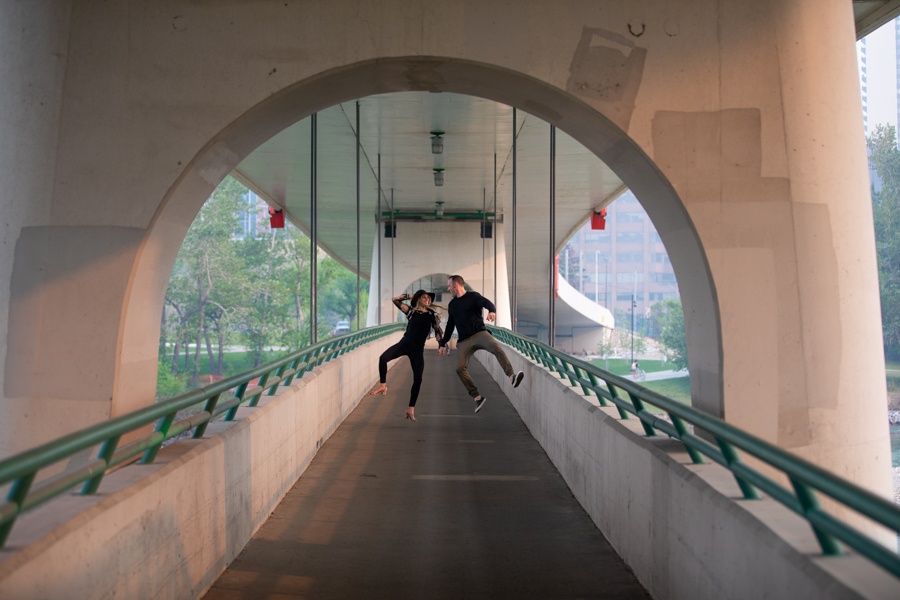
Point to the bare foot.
(382, 389)
(410, 413)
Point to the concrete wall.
(682, 528)
(169, 529)
(423, 248)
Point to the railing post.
(810, 503)
(107, 449)
(614, 392)
(570, 373)
(238, 393)
(163, 426)
(732, 458)
(254, 401)
(580, 374)
(313, 359)
(16, 495)
(681, 428)
(278, 373)
(296, 373)
(209, 407)
(595, 383)
(639, 407)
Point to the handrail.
(22, 468)
(806, 478)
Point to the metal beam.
(513, 305)
(378, 237)
(313, 200)
(551, 329)
(872, 15)
(358, 282)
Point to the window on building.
(629, 277)
(626, 297)
(629, 217)
(598, 257)
(654, 238)
(630, 257)
(660, 257)
(602, 237)
(630, 238)
(662, 277)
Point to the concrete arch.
(749, 110)
(558, 107)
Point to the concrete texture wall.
(169, 529)
(736, 124)
(33, 52)
(682, 528)
(421, 249)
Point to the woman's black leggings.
(416, 361)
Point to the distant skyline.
(878, 75)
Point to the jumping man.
(465, 316)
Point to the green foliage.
(670, 318)
(885, 158)
(252, 291)
(167, 385)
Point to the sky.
(880, 71)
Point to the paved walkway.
(455, 506)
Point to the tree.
(669, 316)
(204, 274)
(885, 158)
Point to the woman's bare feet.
(382, 389)
(410, 413)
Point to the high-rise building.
(879, 73)
(624, 261)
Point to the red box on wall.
(598, 219)
(276, 218)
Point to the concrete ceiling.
(397, 127)
(872, 14)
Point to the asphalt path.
(456, 505)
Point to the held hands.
(444, 351)
(491, 317)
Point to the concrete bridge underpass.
(735, 124)
(320, 490)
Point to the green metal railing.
(806, 478)
(22, 468)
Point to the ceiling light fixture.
(438, 177)
(437, 142)
(439, 209)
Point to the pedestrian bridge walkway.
(456, 505)
(296, 483)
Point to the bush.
(167, 385)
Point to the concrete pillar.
(33, 55)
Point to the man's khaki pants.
(466, 348)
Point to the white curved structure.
(583, 305)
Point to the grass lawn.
(232, 362)
(677, 389)
(622, 366)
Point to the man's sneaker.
(517, 378)
(479, 403)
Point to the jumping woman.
(422, 321)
